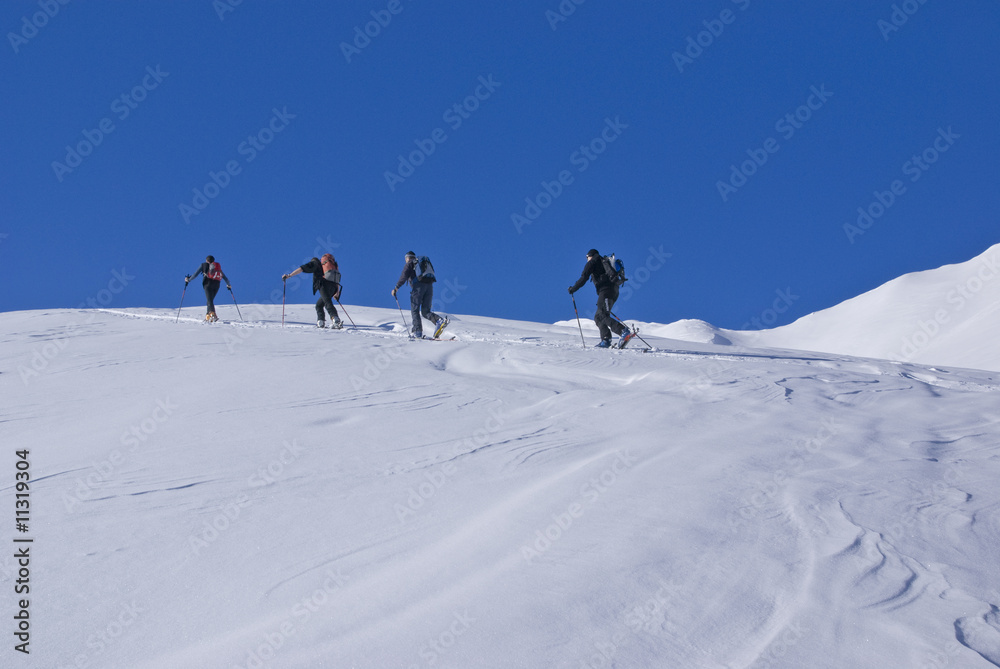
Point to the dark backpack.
(424, 270)
(614, 269)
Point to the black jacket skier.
(211, 283)
(328, 290)
(607, 295)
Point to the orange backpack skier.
(330, 270)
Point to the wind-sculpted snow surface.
(247, 495)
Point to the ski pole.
(347, 314)
(182, 301)
(234, 301)
(400, 312)
(283, 284)
(636, 331)
(579, 324)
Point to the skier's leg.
(425, 304)
(326, 299)
(601, 317)
(605, 322)
(211, 289)
(416, 295)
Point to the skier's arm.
(407, 273)
(226, 279)
(201, 268)
(291, 274)
(587, 270)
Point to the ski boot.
(441, 325)
(625, 338)
(605, 343)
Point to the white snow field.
(248, 495)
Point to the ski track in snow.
(531, 503)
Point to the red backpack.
(214, 271)
(330, 270)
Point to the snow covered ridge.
(944, 316)
(246, 495)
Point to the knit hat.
(411, 254)
(592, 252)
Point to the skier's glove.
(571, 290)
(393, 292)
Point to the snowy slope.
(247, 495)
(944, 316)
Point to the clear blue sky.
(664, 96)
